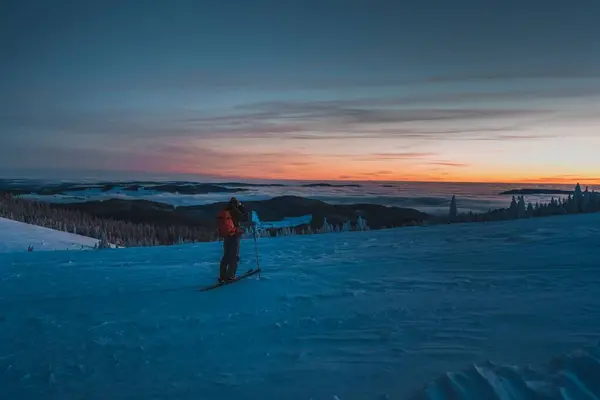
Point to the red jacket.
(225, 224)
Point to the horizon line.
(223, 180)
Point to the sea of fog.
(429, 197)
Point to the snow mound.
(572, 376)
(18, 236)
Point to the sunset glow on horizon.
(326, 91)
(321, 173)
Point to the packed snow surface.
(18, 236)
(466, 311)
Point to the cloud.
(512, 137)
(192, 158)
(365, 111)
(450, 164)
(414, 158)
(591, 89)
(298, 121)
(404, 117)
(284, 82)
(360, 133)
(170, 159)
(311, 122)
(549, 72)
(394, 156)
(565, 179)
(63, 157)
(376, 174)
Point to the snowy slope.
(18, 236)
(357, 315)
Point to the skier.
(229, 226)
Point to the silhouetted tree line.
(130, 234)
(120, 233)
(577, 203)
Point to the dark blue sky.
(289, 88)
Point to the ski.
(250, 272)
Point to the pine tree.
(585, 201)
(346, 227)
(453, 210)
(361, 224)
(513, 208)
(521, 211)
(577, 199)
(326, 228)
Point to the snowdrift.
(18, 236)
(571, 376)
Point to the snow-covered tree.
(361, 224)
(513, 208)
(585, 202)
(286, 231)
(345, 227)
(326, 228)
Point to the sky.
(463, 90)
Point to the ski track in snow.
(357, 315)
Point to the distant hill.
(18, 187)
(535, 191)
(275, 209)
(64, 188)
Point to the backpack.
(225, 225)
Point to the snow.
(462, 311)
(18, 236)
(286, 222)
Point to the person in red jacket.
(229, 226)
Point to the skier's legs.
(234, 251)
(224, 259)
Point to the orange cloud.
(392, 166)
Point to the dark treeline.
(125, 233)
(578, 203)
(120, 233)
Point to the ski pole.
(256, 251)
